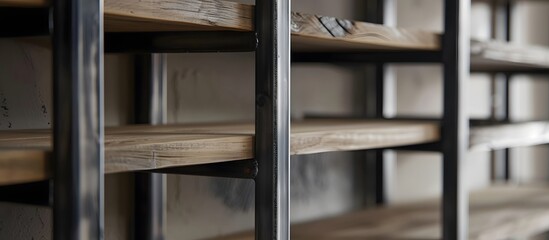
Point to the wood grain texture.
(322, 33)
(141, 147)
(187, 15)
(495, 213)
(21, 166)
(493, 55)
(309, 32)
(502, 136)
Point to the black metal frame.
(455, 122)
(272, 118)
(78, 125)
(78, 180)
(500, 83)
(78, 183)
(150, 107)
(181, 42)
(374, 165)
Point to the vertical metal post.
(374, 166)
(374, 109)
(150, 106)
(455, 122)
(78, 119)
(507, 84)
(500, 112)
(272, 119)
(501, 29)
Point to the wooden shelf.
(484, 138)
(143, 147)
(492, 55)
(498, 212)
(309, 32)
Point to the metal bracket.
(36, 193)
(370, 57)
(246, 169)
(25, 22)
(181, 42)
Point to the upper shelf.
(500, 136)
(495, 213)
(492, 55)
(309, 32)
(141, 147)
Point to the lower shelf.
(499, 212)
(141, 147)
(500, 136)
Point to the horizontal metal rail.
(246, 169)
(181, 42)
(30, 22)
(370, 57)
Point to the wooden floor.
(143, 147)
(484, 138)
(500, 212)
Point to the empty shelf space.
(499, 212)
(141, 147)
(309, 32)
(499, 136)
(493, 55)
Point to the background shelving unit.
(77, 153)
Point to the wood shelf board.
(499, 212)
(314, 32)
(494, 55)
(141, 147)
(21, 166)
(310, 32)
(485, 138)
(24, 3)
(187, 15)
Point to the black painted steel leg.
(500, 112)
(272, 121)
(455, 122)
(374, 167)
(501, 29)
(150, 107)
(78, 119)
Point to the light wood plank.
(317, 136)
(21, 166)
(315, 32)
(142, 147)
(185, 15)
(494, 55)
(309, 32)
(495, 213)
(485, 138)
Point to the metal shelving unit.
(79, 158)
(78, 136)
